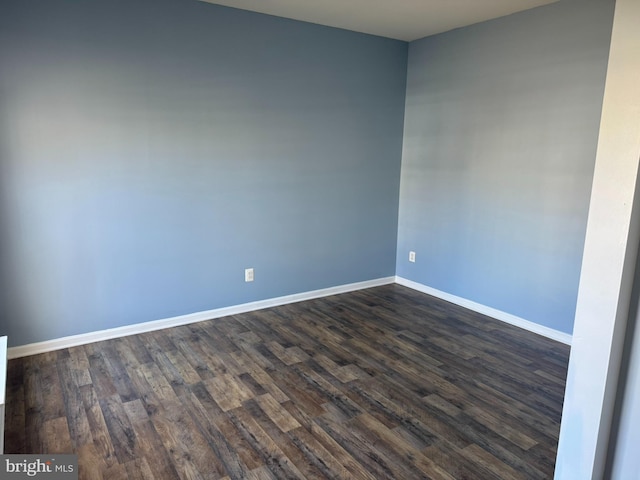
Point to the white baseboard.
(490, 312)
(84, 338)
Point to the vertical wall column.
(608, 264)
(3, 382)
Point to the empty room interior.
(343, 240)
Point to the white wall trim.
(3, 382)
(100, 335)
(84, 338)
(490, 312)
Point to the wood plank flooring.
(380, 383)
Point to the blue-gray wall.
(151, 150)
(501, 126)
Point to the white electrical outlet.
(412, 257)
(248, 274)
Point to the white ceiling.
(401, 19)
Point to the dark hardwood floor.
(380, 383)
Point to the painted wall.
(150, 150)
(501, 126)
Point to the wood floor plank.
(102, 443)
(138, 469)
(360, 446)
(502, 428)
(100, 376)
(277, 413)
(229, 456)
(79, 365)
(78, 424)
(56, 437)
(491, 463)
(148, 445)
(188, 449)
(228, 391)
(318, 455)
(119, 427)
(396, 446)
(326, 441)
(380, 383)
(118, 373)
(221, 422)
(274, 458)
(92, 464)
(304, 464)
